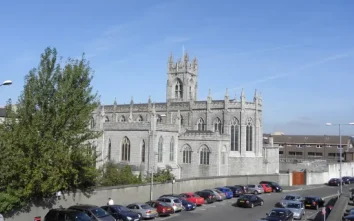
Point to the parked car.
(218, 196)
(145, 211)
(267, 188)
(193, 198)
(209, 197)
(121, 213)
(244, 188)
(313, 202)
(347, 179)
(94, 212)
(187, 206)
(290, 197)
(275, 186)
(280, 214)
(297, 208)
(174, 202)
(334, 182)
(236, 190)
(249, 200)
(66, 214)
(255, 188)
(228, 193)
(163, 209)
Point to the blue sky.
(299, 54)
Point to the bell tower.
(182, 79)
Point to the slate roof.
(309, 139)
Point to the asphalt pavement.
(227, 211)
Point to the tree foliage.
(163, 176)
(114, 174)
(44, 139)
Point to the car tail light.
(314, 203)
(209, 196)
(247, 201)
(149, 211)
(163, 210)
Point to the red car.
(162, 208)
(193, 198)
(267, 188)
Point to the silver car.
(297, 208)
(144, 210)
(290, 197)
(255, 188)
(174, 202)
(219, 197)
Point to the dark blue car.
(122, 213)
(188, 206)
(228, 193)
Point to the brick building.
(194, 138)
(311, 147)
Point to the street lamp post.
(173, 182)
(340, 151)
(6, 83)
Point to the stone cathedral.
(194, 138)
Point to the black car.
(208, 196)
(275, 187)
(94, 212)
(347, 180)
(313, 202)
(236, 190)
(280, 214)
(244, 188)
(334, 182)
(66, 214)
(249, 200)
(121, 213)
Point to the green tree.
(113, 174)
(163, 176)
(45, 138)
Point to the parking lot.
(226, 211)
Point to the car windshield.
(145, 206)
(309, 199)
(163, 204)
(176, 201)
(274, 184)
(277, 213)
(245, 197)
(123, 209)
(218, 191)
(99, 212)
(289, 198)
(195, 195)
(293, 205)
(251, 186)
(79, 217)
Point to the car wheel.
(252, 205)
(256, 192)
(274, 190)
(317, 207)
(183, 208)
(140, 216)
(261, 203)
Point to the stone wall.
(141, 193)
(293, 165)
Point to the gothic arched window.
(122, 119)
(160, 150)
(126, 149)
(159, 118)
(143, 152)
(140, 118)
(249, 135)
(218, 125)
(92, 123)
(201, 125)
(172, 149)
(109, 154)
(178, 89)
(187, 154)
(235, 134)
(181, 119)
(204, 155)
(106, 119)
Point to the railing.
(339, 208)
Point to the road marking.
(169, 217)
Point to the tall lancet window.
(249, 135)
(235, 134)
(217, 125)
(178, 89)
(201, 125)
(109, 154)
(172, 149)
(126, 149)
(160, 150)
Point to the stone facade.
(194, 138)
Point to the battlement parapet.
(117, 126)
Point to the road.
(226, 211)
